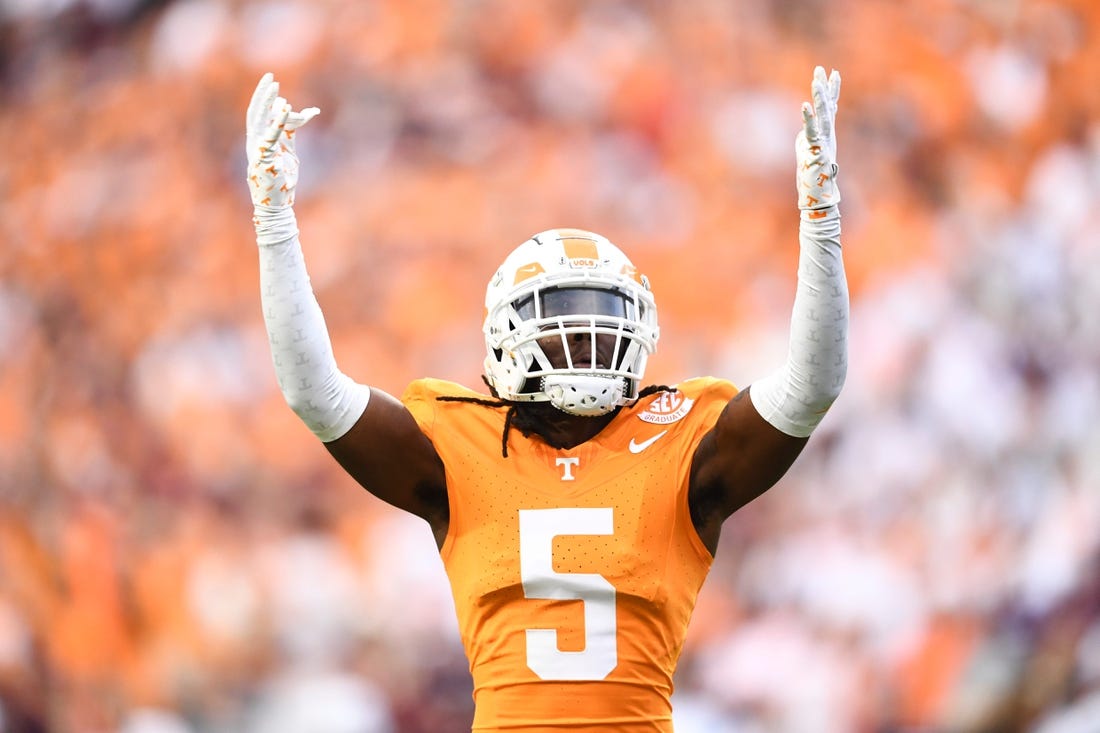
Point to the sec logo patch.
(667, 407)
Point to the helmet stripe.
(581, 249)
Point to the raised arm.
(370, 433)
(757, 438)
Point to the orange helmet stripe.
(581, 249)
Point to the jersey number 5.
(537, 530)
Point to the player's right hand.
(270, 126)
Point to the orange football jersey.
(574, 571)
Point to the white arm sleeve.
(796, 398)
(327, 401)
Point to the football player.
(576, 510)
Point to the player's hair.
(519, 414)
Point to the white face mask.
(568, 321)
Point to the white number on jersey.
(537, 530)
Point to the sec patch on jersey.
(667, 408)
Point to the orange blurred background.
(179, 554)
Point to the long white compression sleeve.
(328, 401)
(796, 398)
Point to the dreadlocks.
(526, 420)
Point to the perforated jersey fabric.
(574, 571)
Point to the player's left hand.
(815, 146)
(270, 125)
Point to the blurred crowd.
(179, 555)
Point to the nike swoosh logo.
(639, 447)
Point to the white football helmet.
(552, 291)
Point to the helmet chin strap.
(586, 395)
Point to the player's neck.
(559, 429)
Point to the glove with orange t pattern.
(326, 400)
(270, 126)
(815, 149)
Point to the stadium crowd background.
(179, 555)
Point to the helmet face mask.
(568, 321)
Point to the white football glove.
(815, 147)
(269, 142)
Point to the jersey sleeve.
(422, 399)
(709, 395)
(419, 399)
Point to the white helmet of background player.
(569, 321)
